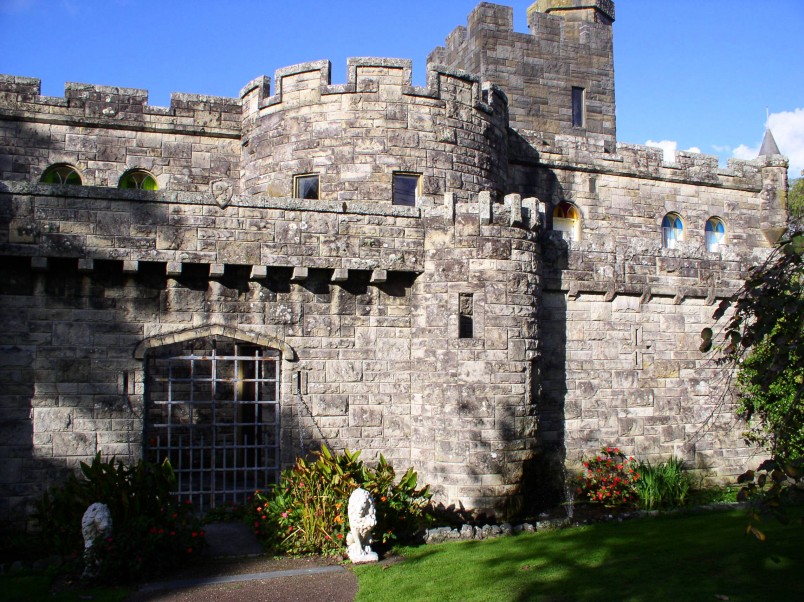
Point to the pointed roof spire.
(768, 145)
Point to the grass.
(32, 586)
(681, 557)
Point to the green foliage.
(306, 513)
(50, 585)
(663, 485)
(770, 489)
(762, 343)
(773, 409)
(795, 199)
(713, 495)
(609, 478)
(151, 530)
(763, 337)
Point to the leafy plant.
(307, 511)
(663, 485)
(773, 410)
(151, 530)
(769, 489)
(763, 338)
(762, 344)
(609, 478)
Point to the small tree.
(763, 342)
(795, 200)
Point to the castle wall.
(564, 49)
(622, 315)
(96, 275)
(628, 372)
(104, 131)
(356, 135)
(472, 419)
(462, 335)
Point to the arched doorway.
(212, 409)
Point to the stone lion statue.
(362, 519)
(95, 524)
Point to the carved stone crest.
(222, 192)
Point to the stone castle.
(474, 277)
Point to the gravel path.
(255, 579)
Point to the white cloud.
(669, 147)
(787, 128)
(721, 148)
(746, 152)
(788, 131)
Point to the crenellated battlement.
(589, 153)
(308, 83)
(569, 46)
(116, 107)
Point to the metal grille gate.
(213, 410)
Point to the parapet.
(646, 161)
(590, 10)
(308, 82)
(111, 106)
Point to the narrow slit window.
(305, 186)
(466, 325)
(578, 97)
(406, 188)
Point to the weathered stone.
(462, 333)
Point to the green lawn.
(33, 586)
(681, 557)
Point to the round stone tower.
(356, 136)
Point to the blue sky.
(691, 74)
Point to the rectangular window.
(406, 188)
(305, 186)
(577, 107)
(466, 326)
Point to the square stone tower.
(559, 78)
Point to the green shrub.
(151, 530)
(663, 485)
(306, 513)
(609, 478)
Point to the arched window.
(672, 230)
(715, 234)
(567, 218)
(62, 174)
(139, 179)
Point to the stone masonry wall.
(538, 70)
(356, 135)
(472, 408)
(104, 131)
(622, 315)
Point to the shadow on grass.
(686, 557)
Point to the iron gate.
(213, 411)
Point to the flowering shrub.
(151, 531)
(306, 513)
(609, 478)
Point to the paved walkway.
(234, 570)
